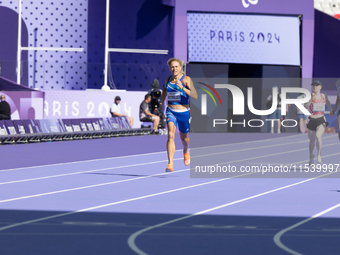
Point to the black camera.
(154, 106)
(156, 96)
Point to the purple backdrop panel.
(66, 123)
(47, 69)
(45, 126)
(80, 125)
(76, 125)
(113, 123)
(102, 125)
(25, 105)
(106, 123)
(52, 126)
(19, 126)
(10, 127)
(32, 126)
(86, 123)
(95, 124)
(8, 85)
(83, 125)
(7, 128)
(3, 129)
(59, 125)
(90, 104)
(126, 123)
(262, 39)
(120, 122)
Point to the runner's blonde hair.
(181, 62)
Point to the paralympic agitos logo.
(246, 4)
(204, 97)
(239, 99)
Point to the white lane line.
(299, 162)
(277, 237)
(135, 155)
(133, 179)
(104, 169)
(113, 203)
(247, 149)
(330, 155)
(82, 161)
(82, 172)
(279, 153)
(86, 187)
(132, 238)
(263, 140)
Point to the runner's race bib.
(319, 107)
(174, 96)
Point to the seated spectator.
(116, 112)
(145, 115)
(5, 109)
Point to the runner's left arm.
(164, 94)
(328, 103)
(189, 87)
(336, 105)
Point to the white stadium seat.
(330, 7)
(325, 5)
(335, 6)
(328, 11)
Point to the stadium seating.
(49, 130)
(331, 7)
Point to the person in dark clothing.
(5, 109)
(146, 115)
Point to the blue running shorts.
(182, 117)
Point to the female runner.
(317, 121)
(178, 88)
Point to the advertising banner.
(242, 38)
(91, 104)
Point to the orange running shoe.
(169, 168)
(186, 159)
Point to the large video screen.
(244, 38)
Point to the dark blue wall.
(134, 24)
(326, 49)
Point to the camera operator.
(156, 96)
(155, 104)
(145, 115)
